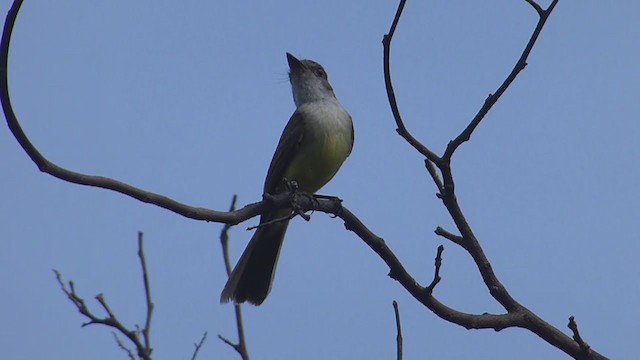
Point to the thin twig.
(123, 347)
(465, 135)
(402, 130)
(577, 338)
(436, 273)
(111, 320)
(147, 292)
(431, 168)
(241, 346)
(457, 239)
(198, 346)
(288, 217)
(396, 310)
(224, 238)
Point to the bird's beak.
(295, 65)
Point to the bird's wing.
(287, 148)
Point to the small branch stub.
(584, 347)
(399, 340)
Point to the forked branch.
(142, 343)
(241, 346)
(516, 314)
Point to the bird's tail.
(251, 279)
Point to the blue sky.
(188, 99)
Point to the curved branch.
(465, 135)
(283, 200)
(400, 274)
(402, 130)
(535, 6)
(197, 213)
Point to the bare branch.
(50, 168)
(457, 239)
(285, 218)
(198, 346)
(192, 212)
(517, 315)
(227, 341)
(431, 168)
(536, 7)
(241, 346)
(224, 238)
(465, 135)
(111, 320)
(402, 130)
(123, 347)
(586, 349)
(436, 273)
(147, 293)
(144, 350)
(399, 273)
(396, 310)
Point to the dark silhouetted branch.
(402, 130)
(436, 273)
(147, 292)
(396, 310)
(198, 346)
(536, 7)
(517, 315)
(123, 347)
(241, 346)
(449, 236)
(52, 169)
(586, 349)
(110, 320)
(465, 135)
(431, 168)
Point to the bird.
(314, 144)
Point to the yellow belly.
(318, 160)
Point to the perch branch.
(516, 316)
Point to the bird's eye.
(321, 73)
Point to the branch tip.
(584, 347)
(399, 341)
(198, 346)
(436, 274)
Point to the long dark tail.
(251, 279)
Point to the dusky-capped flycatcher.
(314, 144)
